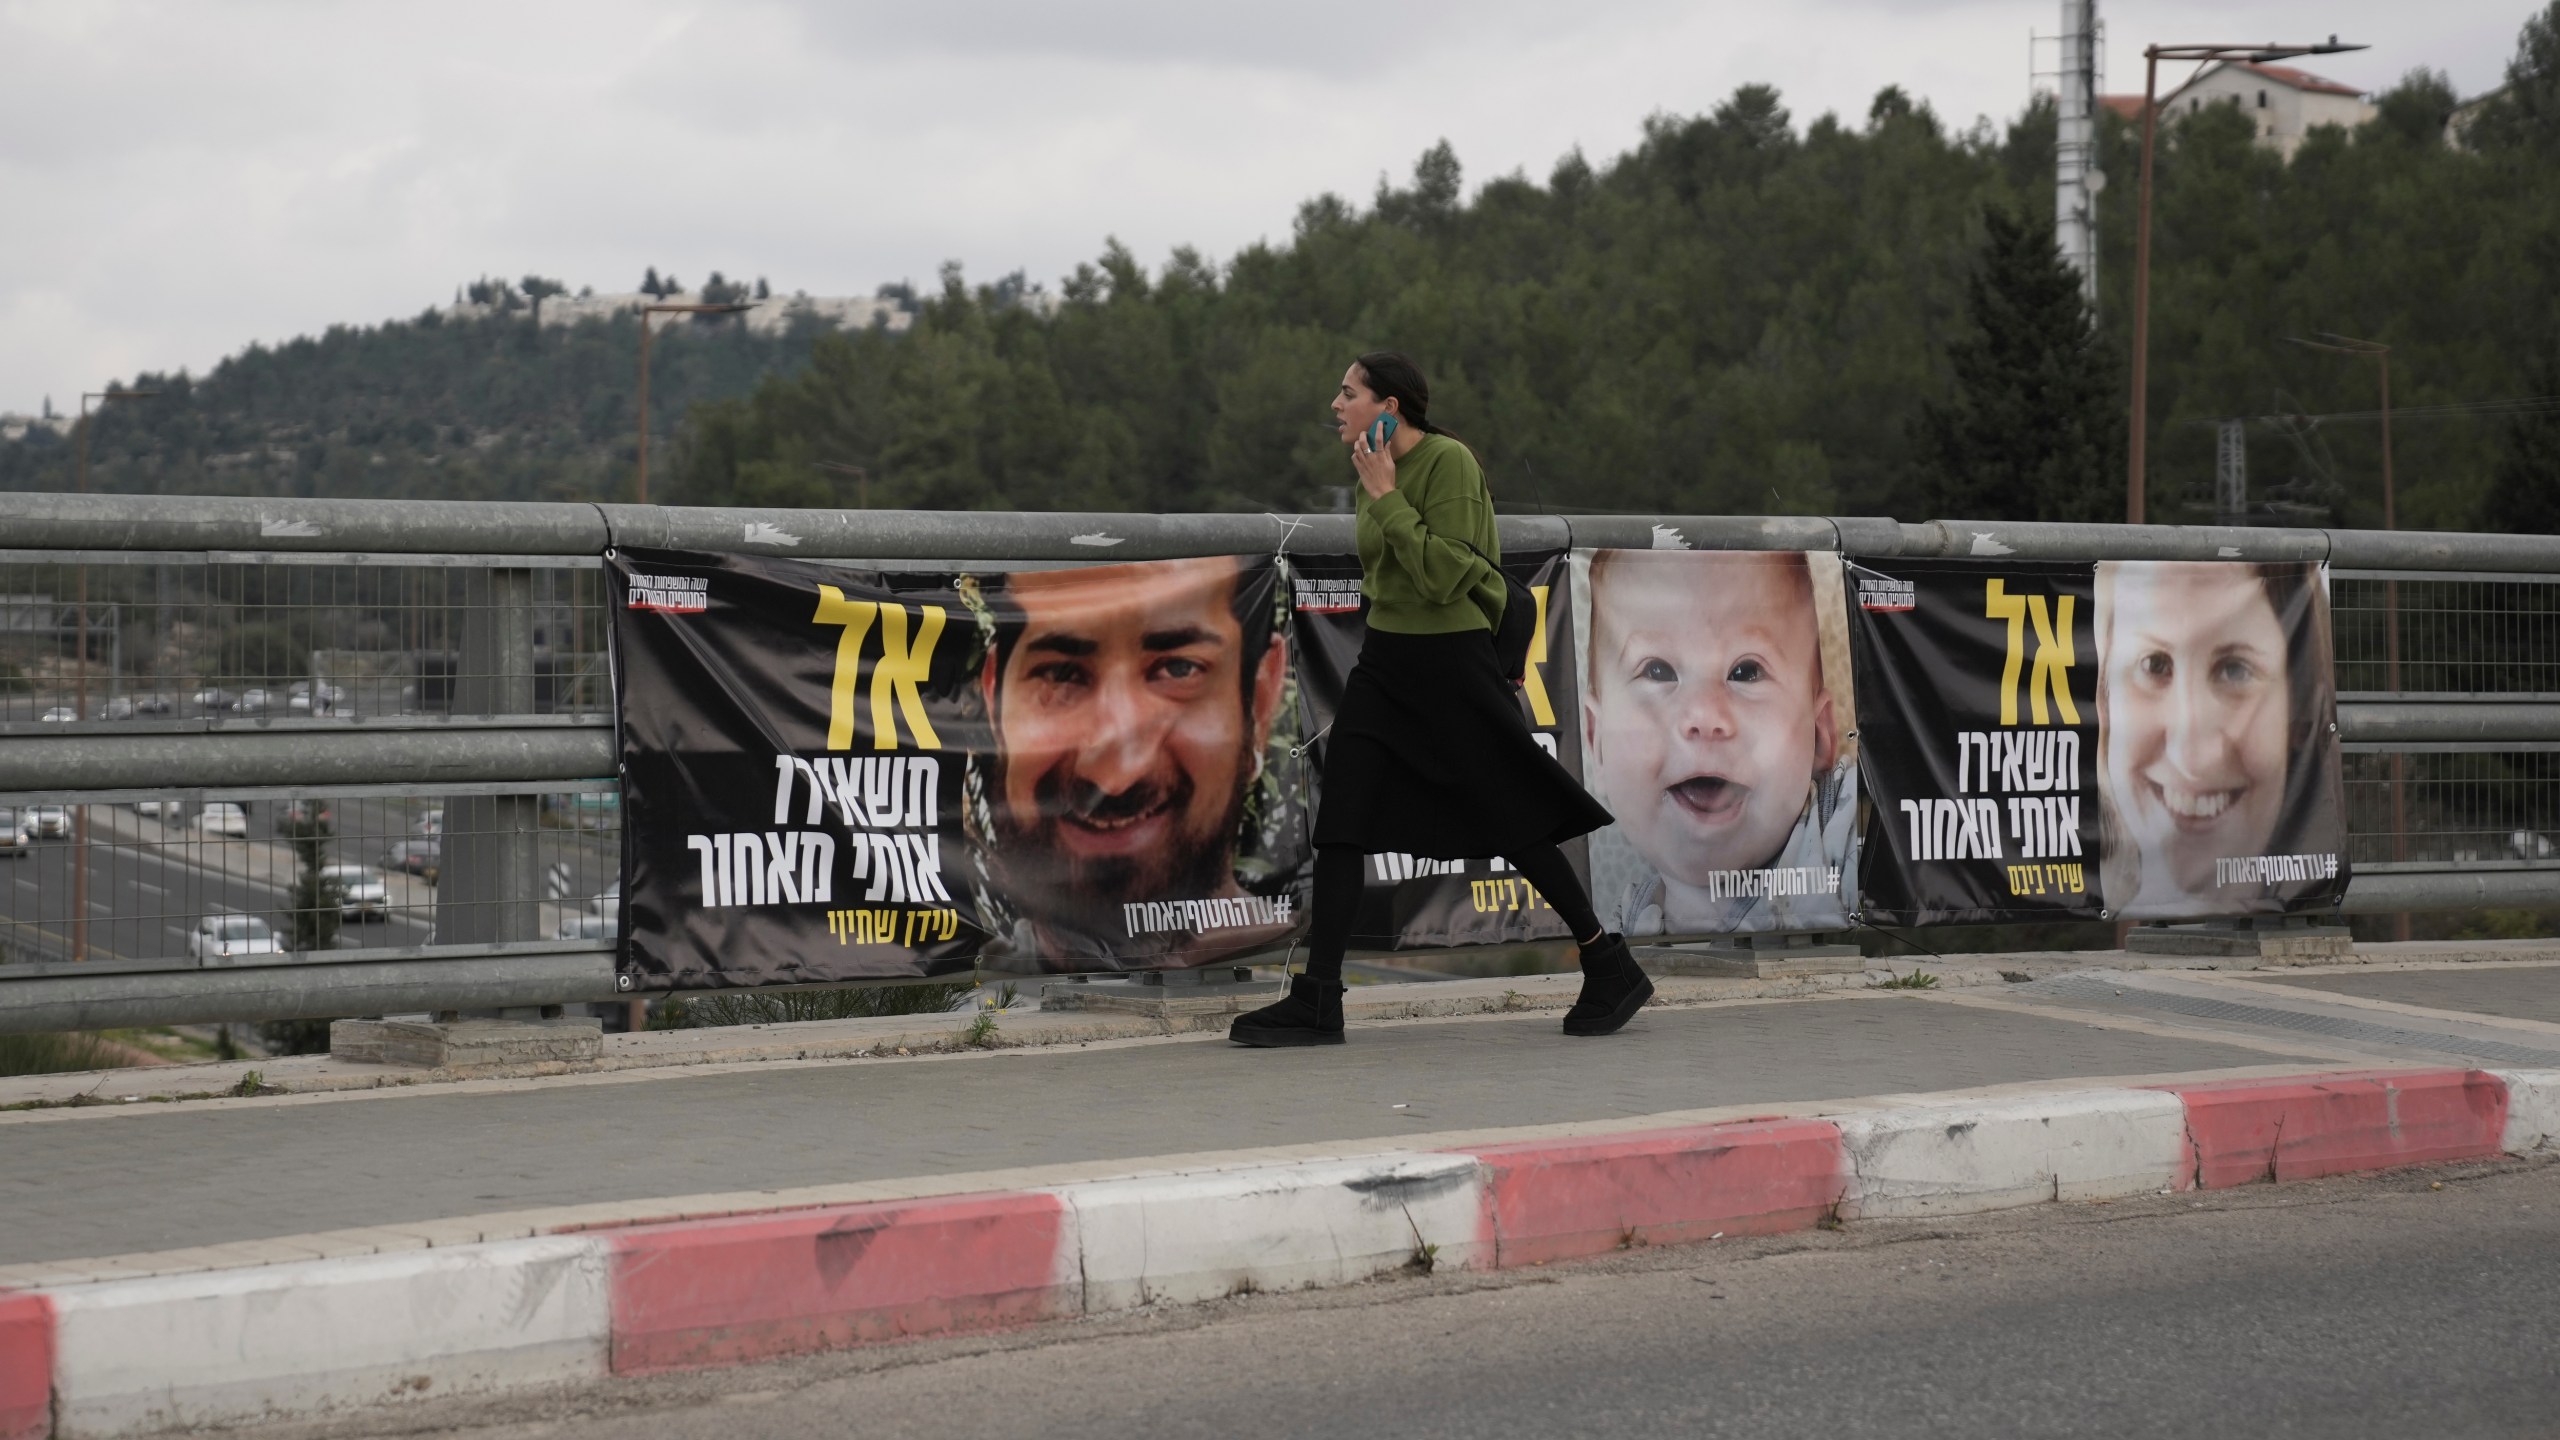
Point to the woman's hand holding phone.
(1370, 456)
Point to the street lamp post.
(80, 686)
(641, 491)
(2152, 56)
(2349, 345)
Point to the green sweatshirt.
(1415, 567)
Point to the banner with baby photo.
(1412, 901)
(833, 774)
(2056, 740)
(1717, 696)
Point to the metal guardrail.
(505, 720)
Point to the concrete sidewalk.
(285, 1254)
(746, 1114)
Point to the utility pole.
(2076, 176)
(80, 685)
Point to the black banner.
(2136, 740)
(1979, 726)
(834, 774)
(1409, 901)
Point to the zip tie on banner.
(1290, 526)
(1300, 749)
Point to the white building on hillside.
(764, 317)
(2286, 103)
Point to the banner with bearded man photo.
(834, 773)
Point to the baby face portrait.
(1707, 717)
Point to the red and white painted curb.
(128, 1356)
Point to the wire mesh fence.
(207, 879)
(2464, 808)
(2457, 635)
(258, 640)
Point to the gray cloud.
(183, 178)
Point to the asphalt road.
(2340, 1309)
(144, 898)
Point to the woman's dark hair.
(1392, 375)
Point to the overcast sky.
(179, 179)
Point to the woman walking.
(1429, 754)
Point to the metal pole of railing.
(488, 882)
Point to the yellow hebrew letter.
(855, 617)
(895, 674)
(1999, 604)
(2053, 662)
(1541, 709)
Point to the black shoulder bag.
(1519, 623)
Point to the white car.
(57, 714)
(222, 817)
(608, 904)
(46, 822)
(586, 927)
(430, 823)
(13, 833)
(360, 888)
(218, 938)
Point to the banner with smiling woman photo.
(2218, 759)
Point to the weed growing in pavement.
(982, 1031)
(1426, 1256)
(1916, 980)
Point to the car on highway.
(415, 857)
(47, 822)
(217, 938)
(13, 833)
(586, 927)
(153, 705)
(213, 698)
(303, 812)
(362, 892)
(303, 699)
(609, 903)
(255, 701)
(58, 714)
(430, 823)
(222, 817)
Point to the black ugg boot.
(1614, 988)
(1310, 1014)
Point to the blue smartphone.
(1382, 430)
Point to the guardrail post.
(489, 885)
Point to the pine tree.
(2031, 431)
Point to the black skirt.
(1429, 755)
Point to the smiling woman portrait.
(2215, 707)
(1429, 753)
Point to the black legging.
(1337, 900)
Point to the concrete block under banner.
(2245, 944)
(463, 1044)
(1759, 957)
(1165, 994)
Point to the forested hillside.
(1742, 314)
(1745, 315)
(430, 408)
